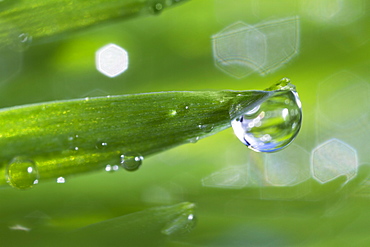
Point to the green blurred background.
(241, 197)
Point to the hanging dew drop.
(22, 173)
(131, 161)
(271, 124)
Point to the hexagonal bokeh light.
(332, 159)
(111, 60)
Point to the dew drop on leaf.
(156, 8)
(101, 145)
(206, 128)
(111, 168)
(131, 161)
(272, 123)
(22, 41)
(22, 173)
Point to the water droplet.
(61, 180)
(156, 8)
(22, 42)
(194, 139)
(182, 109)
(273, 123)
(22, 173)
(206, 128)
(72, 138)
(101, 145)
(110, 168)
(131, 161)
(72, 142)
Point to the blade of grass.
(60, 138)
(68, 137)
(154, 224)
(23, 20)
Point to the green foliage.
(68, 137)
(23, 21)
(172, 52)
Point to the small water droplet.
(110, 168)
(206, 128)
(73, 142)
(72, 138)
(194, 139)
(182, 109)
(131, 161)
(273, 123)
(22, 42)
(61, 180)
(101, 145)
(22, 173)
(156, 8)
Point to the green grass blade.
(23, 20)
(60, 138)
(144, 227)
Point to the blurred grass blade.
(23, 20)
(146, 226)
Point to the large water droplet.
(271, 124)
(131, 161)
(22, 173)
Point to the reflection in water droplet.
(273, 123)
(22, 173)
(131, 161)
